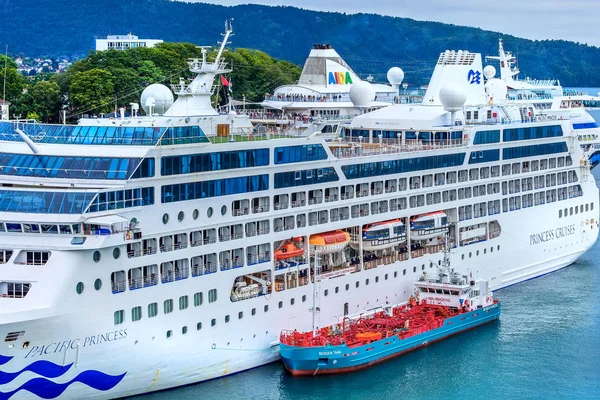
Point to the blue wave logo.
(47, 389)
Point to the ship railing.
(143, 252)
(237, 212)
(119, 286)
(298, 203)
(301, 224)
(376, 149)
(233, 236)
(260, 209)
(172, 247)
(203, 269)
(281, 206)
(171, 276)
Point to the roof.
(106, 220)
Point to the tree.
(92, 91)
(15, 83)
(43, 99)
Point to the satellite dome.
(395, 76)
(163, 98)
(496, 90)
(489, 72)
(453, 97)
(231, 115)
(362, 94)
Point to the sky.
(574, 20)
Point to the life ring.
(251, 136)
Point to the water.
(546, 345)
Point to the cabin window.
(168, 306)
(199, 326)
(152, 310)
(119, 317)
(136, 313)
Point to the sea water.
(546, 345)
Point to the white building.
(4, 109)
(124, 42)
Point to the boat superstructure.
(136, 258)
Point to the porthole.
(180, 216)
(165, 218)
(98, 284)
(116, 253)
(96, 256)
(195, 214)
(209, 212)
(79, 288)
(223, 210)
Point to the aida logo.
(474, 77)
(340, 78)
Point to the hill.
(370, 43)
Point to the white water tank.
(362, 94)
(489, 72)
(453, 97)
(163, 98)
(395, 76)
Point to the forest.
(104, 81)
(370, 43)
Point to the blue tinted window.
(103, 135)
(484, 137)
(484, 156)
(206, 162)
(214, 188)
(401, 166)
(145, 169)
(534, 150)
(122, 199)
(34, 202)
(535, 132)
(306, 177)
(294, 154)
(69, 167)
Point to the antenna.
(228, 33)
(5, 62)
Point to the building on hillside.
(124, 42)
(4, 109)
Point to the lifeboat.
(428, 226)
(289, 249)
(330, 242)
(381, 235)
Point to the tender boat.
(289, 249)
(330, 242)
(381, 235)
(429, 226)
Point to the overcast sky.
(575, 20)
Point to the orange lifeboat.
(368, 336)
(289, 249)
(330, 242)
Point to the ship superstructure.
(138, 257)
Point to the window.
(485, 137)
(538, 132)
(306, 177)
(366, 170)
(136, 313)
(337, 289)
(199, 326)
(357, 283)
(534, 150)
(208, 162)
(253, 311)
(281, 304)
(292, 301)
(198, 299)
(184, 330)
(119, 317)
(213, 322)
(152, 310)
(326, 292)
(169, 334)
(240, 315)
(266, 308)
(168, 306)
(213, 188)
(183, 302)
(303, 298)
(227, 318)
(367, 281)
(347, 286)
(212, 295)
(385, 277)
(297, 154)
(79, 287)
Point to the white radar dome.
(362, 94)
(163, 98)
(496, 90)
(489, 72)
(453, 97)
(395, 76)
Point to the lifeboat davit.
(289, 249)
(428, 226)
(330, 242)
(381, 235)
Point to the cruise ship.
(147, 252)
